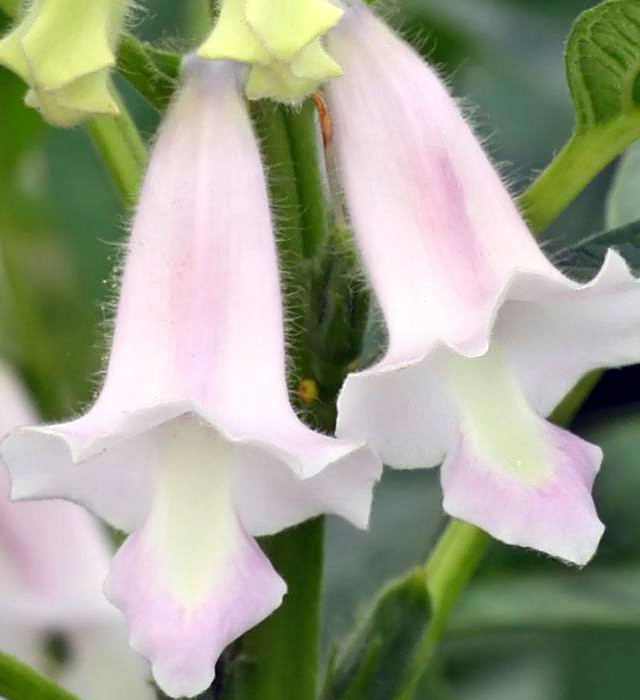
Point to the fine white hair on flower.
(192, 444)
(485, 335)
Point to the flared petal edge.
(555, 515)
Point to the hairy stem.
(301, 129)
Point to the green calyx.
(280, 40)
(64, 51)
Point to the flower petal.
(209, 325)
(555, 515)
(114, 483)
(190, 580)
(272, 497)
(437, 230)
(98, 473)
(512, 473)
(449, 257)
(180, 342)
(403, 412)
(557, 331)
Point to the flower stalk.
(573, 168)
(122, 150)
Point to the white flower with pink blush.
(485, 335)
(192, 444)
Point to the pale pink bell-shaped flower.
(53, 561)
(485, 335)
(192, 443)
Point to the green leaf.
(623, 201)
(9, 7)
(603, 64)
(376, 659)
(599, 597)
(581, 259)
(603, 72)
(20, 682)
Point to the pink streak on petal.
(557, 517)
(437, 229)
(200, 310)
(185, 644)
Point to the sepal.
(281, 43)
(64, 52)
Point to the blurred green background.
(529, 628)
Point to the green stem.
(276, 151)
(573, 168)
(452, 562)
(118, 142)
(198, 20)
(303, 142)
(568, 408)
(278, 660)
(19, 682)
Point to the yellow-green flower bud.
(280, 39)
(64, 50)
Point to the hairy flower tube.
(485, 336)
(281, 43)
(53, 614)
(192, 443)
(64, 51)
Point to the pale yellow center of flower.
(193, 525)
(496, 416)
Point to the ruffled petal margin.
(555, 515)
(184, 644)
